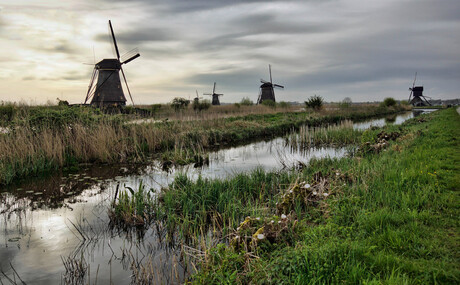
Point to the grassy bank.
(44, 139)
(388, 215)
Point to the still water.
(46, 222)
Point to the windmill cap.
(108, 63)
(417, 88)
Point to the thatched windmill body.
(105, 88)
(416, 97)
(215, 96)
(267, 91)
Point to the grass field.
(389, 215)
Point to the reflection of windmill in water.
(267, 91)
(215, 96)
(108, 92)
(416, 93)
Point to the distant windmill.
(215, 96)
(108, 92)
(416, 93)
(266, 89)
(197, 98)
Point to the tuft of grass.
(132, 208)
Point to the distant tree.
(246, 102)
(389, 102)
(346, 102)
(314, 102)
(179, 103)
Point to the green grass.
(391, 217)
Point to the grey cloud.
(134, 37)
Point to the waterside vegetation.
(387, 215)
(41, 139)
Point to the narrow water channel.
(41, 220)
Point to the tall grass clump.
(132, 208)
(334, 134)
(217, 205)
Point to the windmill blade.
(131, 58)
(127, 87)
(196, 93)
(91, 82)
(410, 95)
(214, 89)
(413, 84)
(280, 86)
(218, 94)
(114, 40)
(270, 71)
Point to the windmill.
(197, 98)
(416, 93)
(107, 91)
(267, 91)
(215, 96)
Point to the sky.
(364, 50)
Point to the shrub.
(179, 103)
(389, 102)
(201, 105)
(314, 102)
(7, 112)
(269, 103)
(346, 103)
(246, 102)
(283, 104)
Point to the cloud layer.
(362, 50)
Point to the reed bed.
(339, 134)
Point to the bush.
(201, 105)
(314, 102)
(346, 103)
(389, 102)
(179, 103)
(283, 104)
(269, 103)
(246, 102)
(7, 112)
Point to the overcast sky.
(365, 50)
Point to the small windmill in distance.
(416, 93)
(215, 96)
(108, 91)
(197, 98)
(267, 91)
